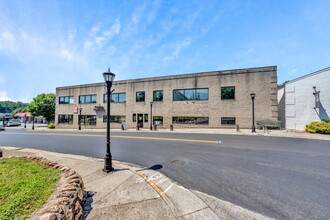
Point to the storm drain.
(177, 162)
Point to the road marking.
(126, 137)
(154, 186)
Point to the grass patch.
(25, 186)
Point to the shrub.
(51, 126)
(321, 127)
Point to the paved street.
(283, 178)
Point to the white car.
(14, 122)
(2, 128)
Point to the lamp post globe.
(253, 95)
(108, 78)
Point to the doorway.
(140, 120)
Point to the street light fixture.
(253, 95)
(108, 78)
(33, 123)
(24, 120)
(79, 119)
(151, 116)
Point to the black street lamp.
(79, 119)
(151, 116)
(24, 120)
(33, 123)
(108, 78)
(253, 95)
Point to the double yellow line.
(125, 137)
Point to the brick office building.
(200, 100)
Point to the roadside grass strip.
(25, 186)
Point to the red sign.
(75, 110)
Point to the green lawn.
(24, 187)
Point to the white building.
(305, 99)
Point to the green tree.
(9, 106)
(43, 105)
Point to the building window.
(115, 118)
(65, 119)
(228, 121)
(140, 96)
(146, 119)
(158, 120)
(115, 97)
(158, 96)
(87, 119)
(87, 99)
(190, 120)
(190, 94)
(66, 100)
(228, 92)
(134, 117)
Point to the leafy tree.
(43, 105)
(9, 106)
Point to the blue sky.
(45, 44)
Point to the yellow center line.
(127, 137)
(154, 186)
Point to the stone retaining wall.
(67, 201)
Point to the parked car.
(14, 122)
(2, 128)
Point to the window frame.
(69, 119)
(92, 99)
(226, 87)
(227, 119)
(121, 118)
(117, 100)
(191, 118)
(144, 96)
(153, 95)
(68, 102)
(193, 95)
(82, 119)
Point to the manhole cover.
(177, 162)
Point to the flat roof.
(178, 76)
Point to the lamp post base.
(107, 165)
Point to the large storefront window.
(115, 118)
(190, 120)
(87, 119)
(190, 94)
(158, 120)
(65, 119)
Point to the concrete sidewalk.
(134, 192)
(272, 133)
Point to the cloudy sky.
(45, 44)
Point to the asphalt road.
(283, 178)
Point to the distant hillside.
(9, 106)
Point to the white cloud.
(96, 28)
(66, 54)
(115, 29)
(178, 48)
(4, 96)
(7, 41)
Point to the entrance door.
(140, 120)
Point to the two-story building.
(217, 99)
